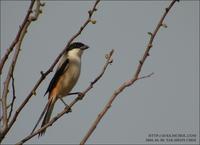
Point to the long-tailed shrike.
(65, 78)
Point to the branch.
(90, 13)
(15, 41)
(8, 106)
(43, 75)
(27, 22)
(13, 99)
(129, 82)
(68, 108)
(146, 76)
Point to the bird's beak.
(85, 47)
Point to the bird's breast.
(70, 77)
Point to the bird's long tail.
(48, 114)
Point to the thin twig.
(129, 82)
(145, 76)
(8, 106)
(30, 18)
(13, 98)
(68, 108)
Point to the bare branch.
(12, 102)
(129, 82)
(13, 98)
(145, 76)
(90, 12)
(10, 49)
(68, 108)
(28, 21)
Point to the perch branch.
(67, 109)
(129, 82)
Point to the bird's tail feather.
(48, 114)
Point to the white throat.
(74, 53)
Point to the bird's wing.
(61, 69)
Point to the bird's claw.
(80, 95)
(68, 108)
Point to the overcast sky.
(166, 103)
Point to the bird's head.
(77, 48)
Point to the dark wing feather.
(57, 75)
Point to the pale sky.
(166, 103)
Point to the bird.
(65, 77)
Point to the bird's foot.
(80, 95)
(66, 106)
